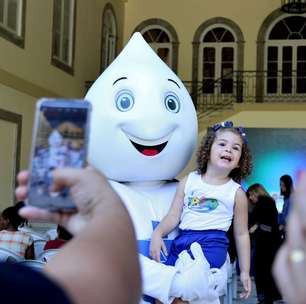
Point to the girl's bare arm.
(172, 219)
(242, 240)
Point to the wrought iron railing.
(293, 6)
(211, 95)
(248, 87)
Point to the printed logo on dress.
(196, 201)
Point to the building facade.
(241, 60)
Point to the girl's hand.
(157, 244)
(246, 282)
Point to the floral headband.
(229, 124)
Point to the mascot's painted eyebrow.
(121, 78)
(171, 80)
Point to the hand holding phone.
(60, 139)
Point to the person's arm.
(168, 223)
(242, 240)
(99, 258)
(29, 253)
(285, 211)
(274, 217)
(100, 263)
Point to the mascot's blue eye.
(172, 103)
(124, 101)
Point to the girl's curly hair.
(203, 155)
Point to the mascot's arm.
(190, 280)
(157, 279)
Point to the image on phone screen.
(60, 141)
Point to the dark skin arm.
(29, 254)
(92, 267)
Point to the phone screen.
(60, 140)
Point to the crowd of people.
(16, 237)
(223, 160)
(19, 242)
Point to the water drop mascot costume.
(143, 132)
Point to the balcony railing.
(248, 87)
(293, 6)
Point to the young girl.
(207, 200)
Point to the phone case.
(60, 139)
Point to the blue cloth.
(285, 211)
(214, 244)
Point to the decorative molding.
(16, 119)
(24, 86)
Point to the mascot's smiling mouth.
(149, 150)
(147, 147)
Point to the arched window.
(160, 41)
(162, 38)
(109, 37)
(285, 56)
(217, 59)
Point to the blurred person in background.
(62, 237)
(19, 242)
(286, 188)
(266, 241)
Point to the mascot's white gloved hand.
(194, 280)
(220, 278)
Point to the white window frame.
(109, 39)
(161, 45)
(58, 59)
(14, 35)
(218, 53)
(280, 44)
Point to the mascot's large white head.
(144, 124)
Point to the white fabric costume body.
(148, 203)
(143, 133)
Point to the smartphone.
(60, 139)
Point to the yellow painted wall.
(32, 64)
(27, 74)
(20, 103)
(8, 132)
(187, 15)
(273, 119)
